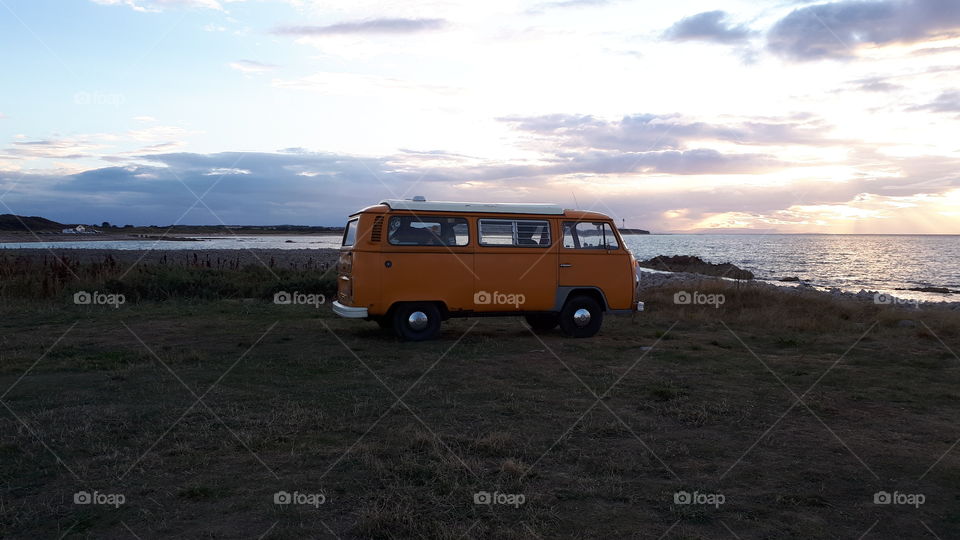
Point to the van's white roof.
(448, 206)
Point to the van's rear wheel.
(543, 322)
(581, 317)
(416, 321)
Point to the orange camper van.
(411, 264)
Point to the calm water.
(850, 262)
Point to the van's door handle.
(565, 265)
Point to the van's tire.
(543, 322)
(574, 326)
(405, 320)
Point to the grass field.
(784, 415)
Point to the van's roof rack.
(449, 206)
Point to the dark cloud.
(301, 187)
(370, 26)
(256, 188)
(707, 26)
(837, 29)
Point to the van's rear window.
(428, 231)
(350, 234)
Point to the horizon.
(697, 117)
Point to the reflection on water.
(850, 262)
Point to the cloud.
(259, 188)
(946, 102)
(144, 119)
(158, 5)
(876, 84)
(369, 26)
(648, 132)
(66, 148)
(707, 26)
(301, 187)
(837, 30)
(248, 67)
(562, 4)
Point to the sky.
(681, 116)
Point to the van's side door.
(515, 264)
(428, 257)
(591, 256)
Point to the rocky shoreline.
(654, 279)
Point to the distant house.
(79, 229)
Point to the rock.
(791, 278)
(695, 265)
(906, 323)
(932, 289)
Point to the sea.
(884, 263)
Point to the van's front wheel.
(581, 317)
(416, 321)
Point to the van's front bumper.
(349, 312)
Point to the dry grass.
(499, 413)
(201, 277)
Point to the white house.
(80, 229)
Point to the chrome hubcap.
(581, 317)
(418, 320)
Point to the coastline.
(13, 237)
(325, 258)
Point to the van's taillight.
(345, 278)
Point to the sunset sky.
(687, 115)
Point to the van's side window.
(350, 233)
(514, 232)
(588, 235)
(428, 231)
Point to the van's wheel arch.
(416, 321)
(581, 316)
